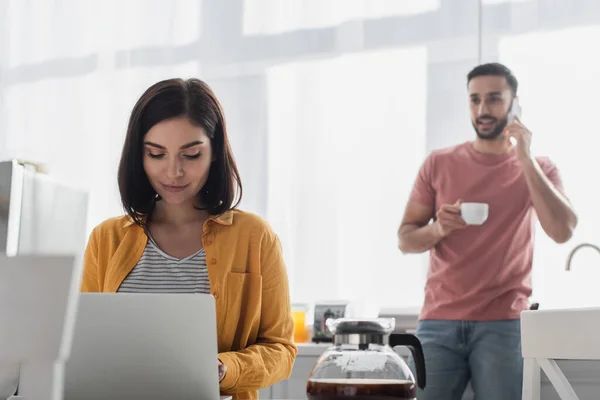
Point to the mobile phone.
(515, 111)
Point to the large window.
(347, 135)
(274, 16)
(331, 106)
(559, 86)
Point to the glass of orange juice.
(299, 314)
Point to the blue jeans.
(488, 354)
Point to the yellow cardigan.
(247, 278)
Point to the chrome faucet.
(572, 253)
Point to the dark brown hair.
(495, 69)
(164, 100)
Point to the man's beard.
(495, 133)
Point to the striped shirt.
(158, 272)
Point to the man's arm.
(417, 235)
(556, 215)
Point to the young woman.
(180, 186)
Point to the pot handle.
(414, 344)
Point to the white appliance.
(38, 302)
(38, 214)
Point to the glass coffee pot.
(361, 364)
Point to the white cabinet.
(551, 335)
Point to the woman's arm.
(89, 282)
(271, 358)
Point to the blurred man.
(479, 276)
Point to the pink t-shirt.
(480, 273)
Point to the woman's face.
(177, 160)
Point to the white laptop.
(143, 346)
(38, 302)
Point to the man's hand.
(222, 370)
(522, 135)
(448, 219)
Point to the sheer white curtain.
(273, 16)
(559, 101)
(347, 135)
(559, 82)
(348, 130)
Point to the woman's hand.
(222, 370)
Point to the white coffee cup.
(474, 213)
